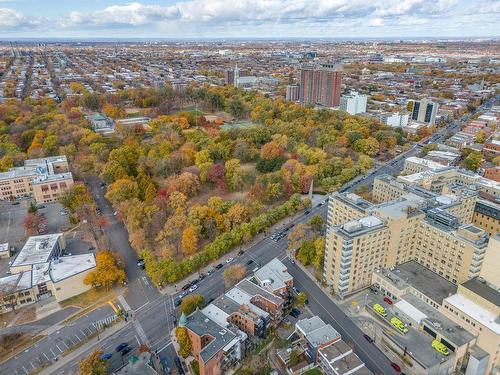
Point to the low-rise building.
(45, 179)
(487, 216)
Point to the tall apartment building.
(353, 103)
(424, 111)
(292, 93)
(320, 85)
(487, 216)
(408, 223)
(44, 179)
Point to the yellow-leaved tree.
(109, 270)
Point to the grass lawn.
(313, 371)
(89, 298)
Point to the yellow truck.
(399, 324)
(440, 347)
(380, 309)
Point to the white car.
(193, 288)
(229, 260)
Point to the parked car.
(295, 312)
(229, 260)
(388, 300)
(183, 294)
(40, 206)
(210, 301)
(202, 276)
(186, 287)
(250, 262)
(178, 364)
(194, 282)
(106, 356)
(368, 338)
(295, 290)
(193, 288)
(122, 346)
(178, 302)
(396, 367)
(140, 263)
(219, 266)
(15, 203)
(209, 272)
(241, 252)
(307, 212)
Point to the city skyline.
(249, 19)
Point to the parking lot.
(12, 215)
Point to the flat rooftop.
(273, 275)
(483, 290)
(475, 311)
(15, 283)
(253, 290)
(64, 267)
(202, 325)
(316, 331)
(424, 280)
(37, 249)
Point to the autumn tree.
(75, 197)
(316, 223)
(183, 340)
(473, 160)
(233, 274)
(33, 222)
(234, 179)
(122, 190)
(301, 232)
(191, 302)
(93, 364)
(189, 241)
(301, 298)
(109, 270)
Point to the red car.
(396, 367)
(388, 300)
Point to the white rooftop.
(4, 247)
(410, 310)
(475, 311)
(16, 283)
(37, 249)
(432, 165)
(64, 267)
(243, 298)
(216, 314)
(273, 275)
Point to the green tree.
(473, 160)
(316, 223)
(294, 358)
(93, 364)
(301, 298)
(191, 302)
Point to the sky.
(249, 18)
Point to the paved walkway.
(89, 345)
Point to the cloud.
(328, 18)
(11, 19)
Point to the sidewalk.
(89, 345)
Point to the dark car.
(15, 203)
(219, 266)
(368, 338)
(250, 262)
(194, 282)
(122, 346)
(241, 252)
(178, 364)
(186, 287)
(164, 365)
(210, 301)
(126, 350)
(396, 367)
(178, 302)
(202, 276)
(307, 212)
(295, 312)
(106, 356)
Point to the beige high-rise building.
(432, 229)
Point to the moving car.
(396, 322)
(388, 300)
(380, 309)
(396, 367)
(440, 347)
(193, 288)
(178, 302)
(164, 365)
(122, 346)
(307, 212)
(219, 266)
(178, 364)
(368, 338)
(250, 262)
(140, 263)
(126, 350)
(241, 252)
